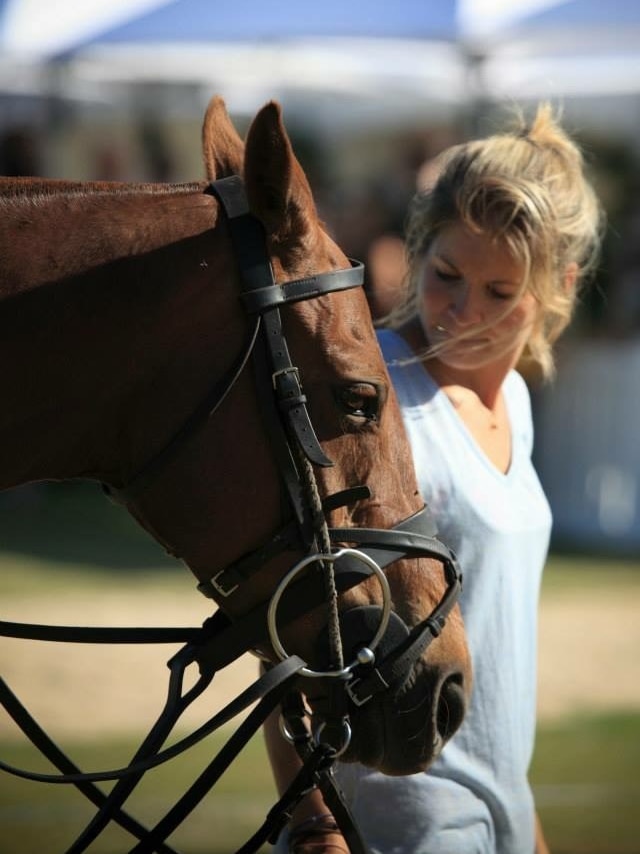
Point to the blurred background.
(372, 92)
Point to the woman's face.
(470, 301)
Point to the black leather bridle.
(220, 641)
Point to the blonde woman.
(497, 249)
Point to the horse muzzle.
(402, 708)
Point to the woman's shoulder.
(411, 381)
(516, 391)
(518, 401)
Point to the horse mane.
(33, 190)
(40, 208)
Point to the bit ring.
(272, 622)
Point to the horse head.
(220, 505)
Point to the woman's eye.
(445, 276)
(359, 400)
(501, 295)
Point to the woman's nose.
(464, 306)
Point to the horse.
(129, 314)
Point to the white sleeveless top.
(475, 799)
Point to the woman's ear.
(570, 276)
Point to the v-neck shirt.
(475, 798)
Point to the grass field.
(586, 771)
(586, 777)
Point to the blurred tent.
(546, 38)
(582, 47)
(33, 31)
(368, 57)
(357, 51)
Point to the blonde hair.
(527, 188)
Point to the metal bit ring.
(272, 622)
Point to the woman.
(497, 249)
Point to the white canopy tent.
(364, 56)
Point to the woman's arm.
(541, 844)
(312, 828)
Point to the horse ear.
(222, 147)
(277, 188)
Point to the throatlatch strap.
(207, 407)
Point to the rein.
(220, 641)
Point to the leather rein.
(220, 641)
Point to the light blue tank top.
(475, 799)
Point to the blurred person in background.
(498, 244)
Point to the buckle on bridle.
(357, 701)
(352, 686)
(291, 370)
(213, 586)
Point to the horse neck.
(106, 301)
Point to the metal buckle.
(291, 370)
(222, 590)
(357, 701)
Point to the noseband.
(328, 569)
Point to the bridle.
(325, 572)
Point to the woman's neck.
(484, 381)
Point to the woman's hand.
(317, 835)
(327, 843)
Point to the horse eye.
(359, 400)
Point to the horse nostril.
(451, 705)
